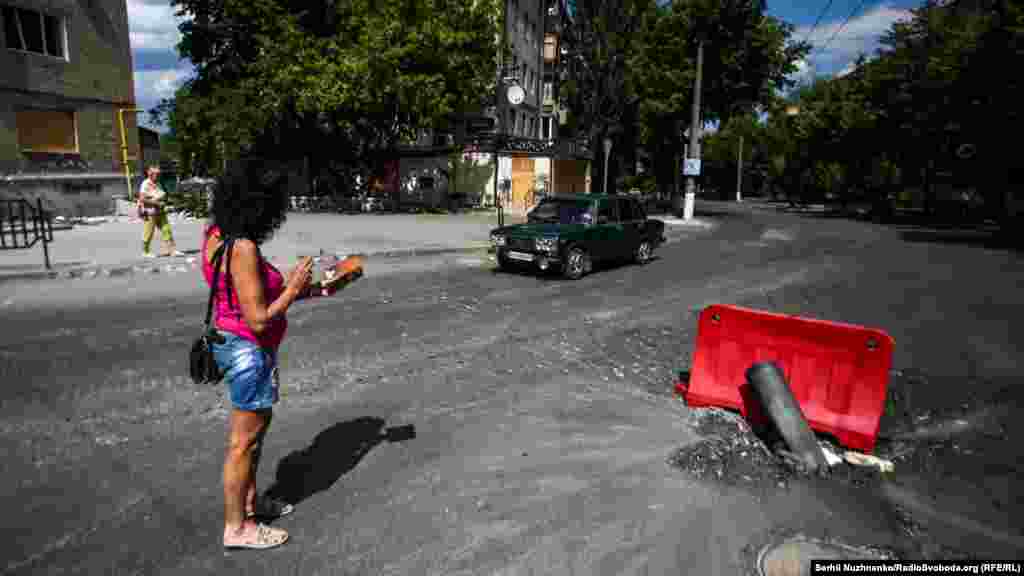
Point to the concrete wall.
(68, 197)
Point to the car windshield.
(561, 211)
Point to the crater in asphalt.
(946, 497)
(731, 453)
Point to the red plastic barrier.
(839, 373)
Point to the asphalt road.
(542, 408)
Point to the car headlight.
(546, 244)
(498, 240)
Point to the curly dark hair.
(251, 200)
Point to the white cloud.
(804, 72)
(846, 70)
(152, 25)
(151, 86)
(860, 35)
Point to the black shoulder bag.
(202, 365)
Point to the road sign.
(691, 167)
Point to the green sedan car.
(568, 233)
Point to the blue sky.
(158, 71)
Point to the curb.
(695, 223)
(121, 270)
(192, 263)
(422, 251)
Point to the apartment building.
(533, 32)
(567, 172)
(67, 72)
(524, 29)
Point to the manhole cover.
(793, 557)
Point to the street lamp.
(607, 154)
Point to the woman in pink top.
(251, 301)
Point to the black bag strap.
(217, 257)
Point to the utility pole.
(739, 171)
(694, 152)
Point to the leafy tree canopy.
(334, 79)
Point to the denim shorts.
(250, 372)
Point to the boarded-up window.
(47, 131)
(550, 47)
(33, 31)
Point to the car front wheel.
(577, 262)
(643, 253)
(503, 263)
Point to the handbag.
(202, 365)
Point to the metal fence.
(22, 225)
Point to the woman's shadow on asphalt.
(333, 453)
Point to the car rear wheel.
(577, 262)
(643, 253)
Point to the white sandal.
(265, 537)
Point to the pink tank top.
(229, 318)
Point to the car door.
(609, 230)
(632, 227)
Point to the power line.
(843, 25)
(851, 37)
(818, 21)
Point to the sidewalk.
(114, 247)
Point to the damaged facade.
(67, 73)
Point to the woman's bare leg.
(246, 430)
(257, 452)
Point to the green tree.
(601, 92)
(467, 179)
(748, 56)
(337, 84)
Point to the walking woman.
(252, 299)
(151, 209)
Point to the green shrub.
(191, 200)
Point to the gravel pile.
(732, 453)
